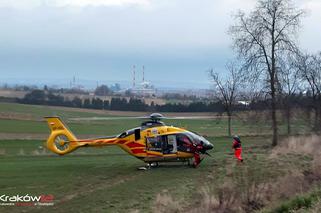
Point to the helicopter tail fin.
(61, 140)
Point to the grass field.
(107, 179)
(100, 179)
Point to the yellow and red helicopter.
(151, 142)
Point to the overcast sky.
(176, 40)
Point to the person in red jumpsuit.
(195, 149)
(237, 148)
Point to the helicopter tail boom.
(61, 140)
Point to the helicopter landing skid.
(152, 165)
(149, 166)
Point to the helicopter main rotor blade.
(192, 117)
(105, 118)
(147, 117)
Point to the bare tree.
(310, 71)
(290, 83)
(261, 37)
(253, 93)
(252, 90)
(227, 89)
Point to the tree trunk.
(273, 82)
(319, 122)
(274, 122)
(229, 118)
(288, 117)
(273, 95)
(317, 116)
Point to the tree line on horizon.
(42, 97)
(301, 101)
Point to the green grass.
(16, 126)
(301, 203)
(103, 178)
(106, 179)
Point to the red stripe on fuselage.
(138, 151)
(96, 141)
(135, 145)
(122, 141)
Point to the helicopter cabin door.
(154, 144)
(171, 145)
(163, 145)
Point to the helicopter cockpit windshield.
(200, 140)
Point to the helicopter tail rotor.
(61, 140)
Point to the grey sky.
(102, 39)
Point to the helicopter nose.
(208, 146)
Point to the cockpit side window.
(171, 144)
(183, 139)
(154, 143)
(166, 144)
(183, 142)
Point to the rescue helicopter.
(152, 142)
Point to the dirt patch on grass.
(303, 145)
(35, 136)
(166, 203)
(17, 116)
(2, 152)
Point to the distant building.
(244, 103)
(145, 88)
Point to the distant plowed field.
(12, 93)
